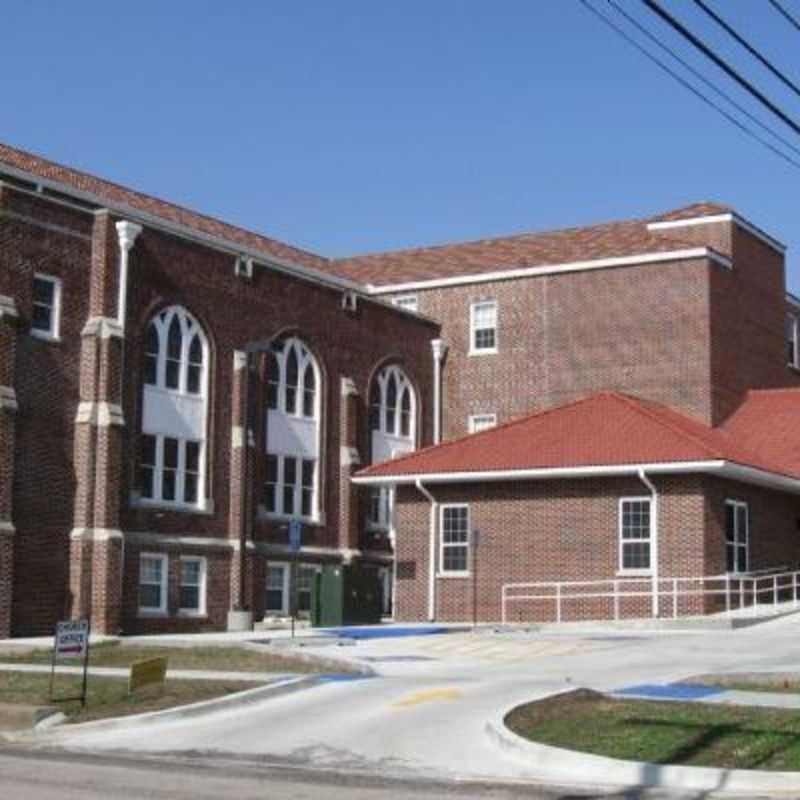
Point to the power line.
(783, 12)
(748, 131)
(723, 65)
(699, 75)
(747, 46)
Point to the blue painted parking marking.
(385, 633)
(670, 691)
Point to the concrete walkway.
(177, 674)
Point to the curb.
(236, 700)
(557, 765)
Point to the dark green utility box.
(346, 595)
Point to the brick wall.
(568, 531)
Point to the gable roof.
(604, 430)
(589, 243)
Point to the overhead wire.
(792, 20)
(699, 75)
(731, 31)
(704, 98)
(721, 63)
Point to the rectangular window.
(305, 580)
(380, 509)
(277, 589)
(407, 301)
(193, 586)
(290, 486)
(46, 315)
(634, 533)
(454, 550)
(737, 536)
(481, 422)
(153, 583)
(170, 470)
(483, 327)
(792, 349)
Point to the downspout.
(431, 551)
(653, 537)
(439, 349)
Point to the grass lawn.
(108, 697)
(231, 659)
(664, 733)
(785, 682)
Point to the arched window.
(293, 431)
(392, 420)
(172, 468)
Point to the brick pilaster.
(241, 472)
(348, 464)
(96, 542)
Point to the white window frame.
(404, 386)
(280, 512)
(473, 309)
(481, 422)
(285, 599)
(178, 504)
(161, 609)
(385, 521)
(453, 573)
(737, 543)
(305, 360)
(315, 569)
(409, 302)
(200, 611)
(623, 570)
(54, 334)
(793, 321)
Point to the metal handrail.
(741, 590)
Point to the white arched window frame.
(173, 454)
(293, 438)
(393, 424)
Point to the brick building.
(174, 390)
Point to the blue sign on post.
(295, 535)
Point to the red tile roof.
(705, 209)
(605, 429)
(116, 195)
(610, 240)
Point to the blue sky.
(358, 126)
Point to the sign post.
(295, 542)
(71, 641)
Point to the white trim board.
(554, 269)
(713, 218)
(718, 467)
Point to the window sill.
(634, 573)
(453, 574)
(192, 614)
(143, 503)
(492, 352)
(268, 516)
(44, 336)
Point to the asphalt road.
(38, 775)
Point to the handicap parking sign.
(295, 534)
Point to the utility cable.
(723, 65)
(792, 20)
(752, 134)
(747, 46)
(699, 75)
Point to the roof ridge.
(773, 390)
(640, 406)
(503, 426)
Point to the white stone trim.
(95, 534)
(8, 399)
(103, 328)
(719, 467)
(100, 414)
(715, 218)
(7, 528)
(8, 308)
(237, 437)
(239, 360)
(348, 387)
(553, 269)
(349, 456)
(152, 539)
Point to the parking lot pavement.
(425, 713)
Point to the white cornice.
(552, 269)
(714, 218)
(719, 467)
